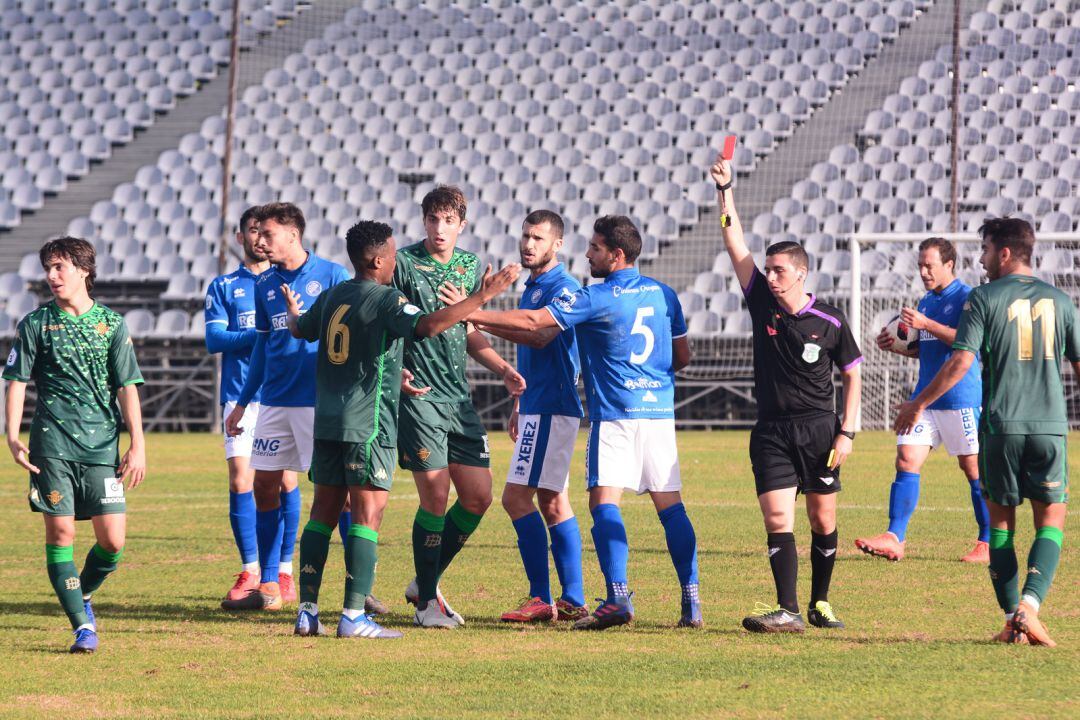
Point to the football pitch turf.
(917, 643)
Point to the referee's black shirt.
(794, 354)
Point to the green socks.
(314, 547)
(361, 554)
(60, 562)
(460, 524)
(1042, 564)
(1003, 570)
(427, 538)
(100, 563)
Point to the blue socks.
(242, 519)
(903, 498)
(532, 544)
(268, 530)
(982, 513)
(566, 550)
(682, 543)
(343, 523)
(612, 550)
(290, 515)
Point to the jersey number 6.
(337, 337)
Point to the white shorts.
(957, 429)
(240, 446)
(638, 455)
(543, 451)
(283, 438)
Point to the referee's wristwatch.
(849, 434)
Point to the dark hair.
(619, 233)
(251, 213)
(539, 217)
(793, 250)
(443, 198)
(283, 214)
(1013, 233)
(365, 235)
(78, 251)
(945, 249)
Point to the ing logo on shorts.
(265, 447)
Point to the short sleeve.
(846, 353)
(123, 366)
(402, 275)
(310, 322)
(1072, 332)
(401, 315)
(758, 297)
(262, 318)
(215, 310)
(341, 274)
(675, 313)
(969, 333)
(577, 307)
(20, 361)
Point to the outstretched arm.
(491, 286)
(527, 320)
(730, 226)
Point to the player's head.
(615, 244)
(541, 239)
(70, 267)
(1007, 244)
(937, 263)
(372, 250)
(247, 234)
(786, 266)
(281, 231)
(444, 217)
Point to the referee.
(798, 443)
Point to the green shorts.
(336, 462)
(65, 487)
(433, 435)
(1014, 467)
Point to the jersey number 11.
(1025, 314)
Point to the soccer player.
(953, 419)
(632, 337)
(282, 368)
(798, 444)
(80, 357)
(360, 324)
(440, 437)
(1021, 327)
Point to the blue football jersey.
(946, 309)
(625, 326)
(289, 376)
(551, 372)
(230, 302)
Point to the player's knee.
(907, 465)
(477, 504)
(554, 507)
(267, 496)
(111, 543)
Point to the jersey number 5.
(337, 337)
(1025, 314)
(640, 328)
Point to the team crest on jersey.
(811, 352)
(102, 328)
(460, 269)
(54, 498)
(313, 288)
(423, 454)
(536, 295)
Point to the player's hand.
(293, 303)
(21, 453)
(841, 448)
(907, 415)
(408, 388)
(513, 381)
(721, 170)
(884, 340)
(232, 423)
(913, 318)
(512, 424)
(494, 285)
(133, 467)
(451, 294)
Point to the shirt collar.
(806, 308)
(555, 271)
(622, 275)
(308, 262)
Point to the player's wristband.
(722, 188)
(848, 434)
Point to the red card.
(729, 148)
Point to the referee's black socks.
(822, 560)
(785, 569)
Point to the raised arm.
(730, 226)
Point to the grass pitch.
(917, 644)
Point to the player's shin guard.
(242, 519)
(982, 513)
(343, 523)
(682, 544)
(100, 563)
(60, 562)
(427, 532)
(314, 547)
(1042, 564)
(822, 560)
(1003, 570)
(361, 554)
(785, 569)
(903, 497)
(612, 549)
(460, 524)
(566, 551)
(268, 530)
(532, 544)
(290, 515)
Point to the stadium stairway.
(836, 122)
(187, 117)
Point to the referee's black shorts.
(794, 452)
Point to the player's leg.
(469, 460)
(969, 465)
(960, 436)
(242, 502)
(565, 534)
(327, 475)
(532, 542)
(912, 450)
(821, 485)
(301, 424)
(999, 466)
(345, 520)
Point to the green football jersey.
(437, 362)
(77, 365)
(1021, 327)
(359, 325)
